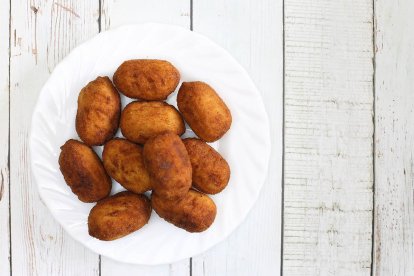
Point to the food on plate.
(211, 173)
(152, 156)
(169, 166)
(143, 120)
(99, 108)
(146, 79)
(204, 110)
(83, 171)
(195, 212)
(124, 162)
(119, 215)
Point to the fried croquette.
(169, 166)
(211, 173)
(119, 215)
(203, 110)
(143, 120)
(146, 79)
(193, 213)
(124, 162)
(83, 171)
(99, 109)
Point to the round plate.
(246, 146)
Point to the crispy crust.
(169, 166)
(118, 216)
(146, 79)
(204, 110)
(211, 172)
(193, 213)
(123, 161)
(83, 172)
(99, 109)
(143, 120)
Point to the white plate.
(246, 146)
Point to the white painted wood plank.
(328, 137)
(43, 32)
(123, 12)
(120, 12)
(111, 267)
(105, 16)
(252, 32)
(394, 136)
(4, 139)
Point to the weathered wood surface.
(328, 172)
(4, 139)
(42, 33)
(329, 148)
(394, 137)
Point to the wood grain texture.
(4, 139)
(120, 12)
(110, 267)
(328, 172)
(252, 32)
(43, 32)
(394, 149)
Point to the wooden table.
(337, 78)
